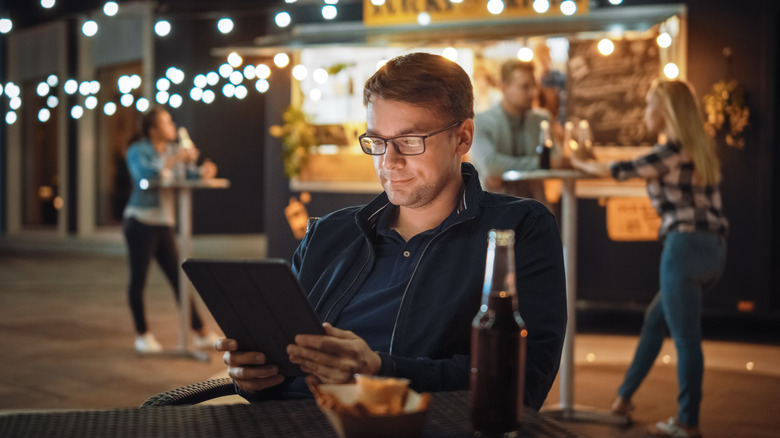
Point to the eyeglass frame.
(390, 140)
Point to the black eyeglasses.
(403, 144)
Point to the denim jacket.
(430, 343)
(145, 164)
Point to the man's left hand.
(334, 357)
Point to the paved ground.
(66, 337)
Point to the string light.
(241, 92)
(43, 115)
(664, 40)
(109, 108)
(89, 28)
(671, 70)
(212, 78)
(110, 8)
(262, 71)
(320, 75)
(162, 28)
(163, 84)
(200, 81)
(262, 85)
(225, 25)
(175, 101)
(91, 102)
(525, 54)
(249, 72)
(10, 118)
(196, 93)
(424, 18)
(299, 72)
(228, 90)
(51, 80)
(124, 83)
(76, 112)
(5, 26)
(236, 77)
(126, 100)
(208, 96)
(495, 7)
(48, 4)
(135, 81)
(541, 6)
(52, 101)
(329, 12)
(142, 104)
(606, 47)
(281, 60)
(282, 19)
(450, 53)
(71, 86)
(225, 70)
(568, 7)
(162, 97)
(235, 60)
(42, 89)
(84, 88)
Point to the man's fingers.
(226, 344)
(254, 372)
(236, 358)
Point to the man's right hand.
(248, 368)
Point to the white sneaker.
(146, 343)
(205, 342)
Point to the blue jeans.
(690, 264)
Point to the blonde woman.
(683, 177)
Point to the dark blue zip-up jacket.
(430, 342)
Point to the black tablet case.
(259, 303)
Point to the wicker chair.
(194, 393)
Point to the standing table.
(183, 189)
(566, 409)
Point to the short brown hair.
(426, 80)
(509, 67)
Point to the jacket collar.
(367, 217)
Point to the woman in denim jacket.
(149, 221)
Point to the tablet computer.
(259, 303)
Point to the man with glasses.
(401, 277)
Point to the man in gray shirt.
(506, 136)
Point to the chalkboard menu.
(609, 91)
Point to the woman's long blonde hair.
(685, 125)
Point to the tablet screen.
(259, 303)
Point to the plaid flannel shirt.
(682, 203)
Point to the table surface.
(448, 417)
(211, 183)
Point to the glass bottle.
(545, 144)
(570, 145)
(498, 338)
(586, 139)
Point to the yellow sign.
(631, 219)
(399, 12)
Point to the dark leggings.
(143, 242)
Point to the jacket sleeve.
(428, 374)
(142, 164)
(541, 296)
(650, 166)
